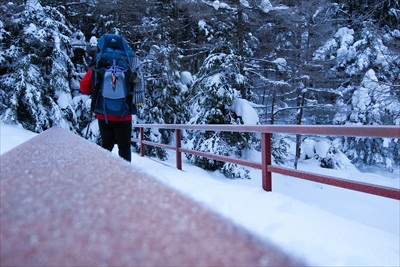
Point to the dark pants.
(117, 132)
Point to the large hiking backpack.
(112, 74)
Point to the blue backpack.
(112, 74)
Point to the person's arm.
(86, 86)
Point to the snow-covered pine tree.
(372, 70)
(36, 49)
(166, 86)
(373, 104)
(225, 75)
(165, 98)
(215, 90)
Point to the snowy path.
(326, 225)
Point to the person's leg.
(123, 135)
(107, 135)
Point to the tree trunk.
(240, 34)
(273, 106)
(301, 101)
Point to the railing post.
(178, 148)
(142, 153)
(266, 160)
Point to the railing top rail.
(179, 225)
(327, 130)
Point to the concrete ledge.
(67, 202)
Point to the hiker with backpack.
(115, 83)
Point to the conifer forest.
(309, 62)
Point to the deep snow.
(326, 226)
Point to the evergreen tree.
(215, 89)
(372, 105)
(166, 91)
(36, 49)
(370, 94)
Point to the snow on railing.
(67, 202)
(266, 166)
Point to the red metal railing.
(266, 166)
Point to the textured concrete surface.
(67, 202)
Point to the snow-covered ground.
(324, 225)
